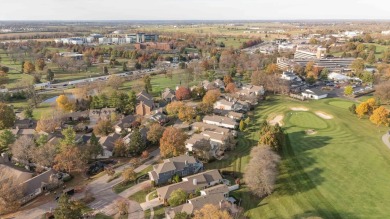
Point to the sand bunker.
(310, 132)
(324, 115)
(277, 119)
(299, 108)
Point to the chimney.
(220, 204)
(195, 182)
(186, 163)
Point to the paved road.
(386, 139)
(105, 197)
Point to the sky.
(193, 9)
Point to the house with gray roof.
(191, 183)
(168, 95)
(182, 165)
(215, 195)
(221, 121)
(108, 143)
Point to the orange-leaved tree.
(172, 142)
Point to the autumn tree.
(358, 66)
(28, 67)
(348, 90)
(69, 160)
(67, 208)
(362, 109)
(155, 133)
(7, 116)
(182, 93)
(10, 194)
(262, 170)
(186, 113)
(211, 96)
(172, 142)
(272, 68)
(380, 116)
(44, 155)
(120, 148)
(227, 79)
(173, 108)
(177, 197)
(211, 211)
(115, 82)
(382, 91)
(64, 103)
(49, 123)
(104, 127)
(22, 148)
(129, 175)
(231, 88)
(40, 64)
(6, 139)
(242, 125)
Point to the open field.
(160, 82)
(340, 171)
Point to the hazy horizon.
(193, 10)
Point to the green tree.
(28, 112)
(147, 83)
(358, 65)
(7, 116)
(49, 75)
(6, 139)
(124, 66)
(67, 209)
(105, 70)
(94, 147)
(348, 90)
(371, 58)
(177, 197)
(155, 133)
(137, 144)
(352, 108)
(41, 140)
(69, 139)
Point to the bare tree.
(22, 149)
(261, 172)
(10, 194)
(44, 155)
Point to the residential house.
(220, 121)
(219, 84)
(31, 186)
(215, 195)
(182, 165)
(200, 126)
(77, 116)
(207, 85)
(252, 90)
(217, 142)
(168, 95)
(101, 114)
(191, 183)
(235, 115)
(160, 117)
(224, 104)
(124, 124)
(39, 184)
(315, 94)
(145, 105)
(144, 133)
(290, 76)
(108, 143)
(24, 124)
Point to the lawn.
(140, 196)
(159, 213)
(340, 172)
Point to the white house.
(290, 76)
(221, 121)
(314, 94)
(224, 105)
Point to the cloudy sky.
(193, 9)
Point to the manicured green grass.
(159, 213)
(122, 187)
(339, 172)
(234, 42)
(102, 216)
(140, 196)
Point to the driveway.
(151, 204)
(105, 198)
